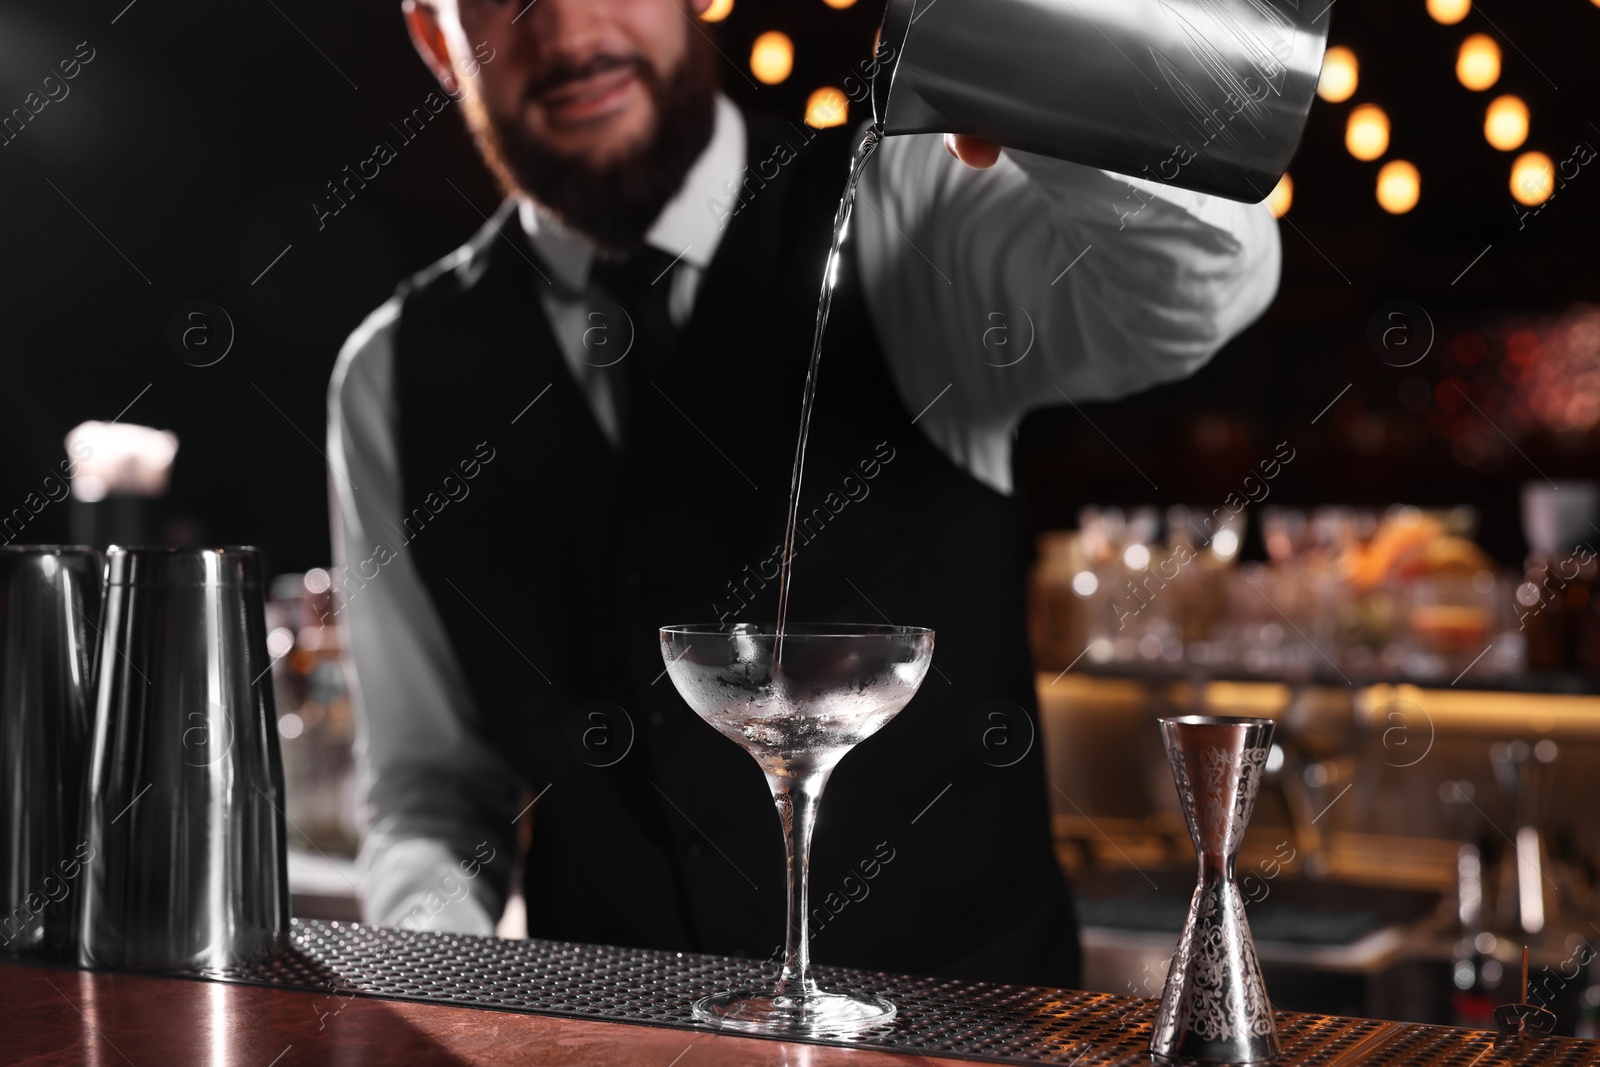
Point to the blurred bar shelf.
(1353, 856)
(1553, 683)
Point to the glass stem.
(797, 798)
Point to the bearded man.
(579, 427)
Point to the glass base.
(803, 1015)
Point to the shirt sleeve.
(437, 802)
(1037, 281)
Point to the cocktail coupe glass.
(797, 704)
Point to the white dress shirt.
(994, 292)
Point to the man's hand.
(979, 155)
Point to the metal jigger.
(1214, 1009)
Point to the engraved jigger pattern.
(1214, 1009)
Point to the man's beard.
(616, 202)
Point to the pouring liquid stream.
(841, 227)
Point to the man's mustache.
(566, 73)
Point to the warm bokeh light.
(827, 107)
(1366, 134)
(719, 10)
(1281, 197)
(840, 5)
(1556, 383)
(1533, 178)
(1478, 62)
(1450, 12)
(772, 57)
(1339, 72)
(1505, 124)
(1399, 186)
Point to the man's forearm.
(427, 884)
(1021, 286)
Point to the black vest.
(554, 571)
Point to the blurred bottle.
(1556, 600)
(1588, 1022)
(1475, 974)
(1102, 586)
(1526, 903)
(316, 727)
(1478, 978)
(119, 471)
(1060, 582)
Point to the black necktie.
(641, 283)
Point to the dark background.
(199, 136)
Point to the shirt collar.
(685, 227)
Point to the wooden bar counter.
(338, 993)
(55, 1017)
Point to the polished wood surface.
(53, 1017)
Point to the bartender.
(579, 427)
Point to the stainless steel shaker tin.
(185, 795)
(232, 567)
(1209, 95)
(49, 628)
